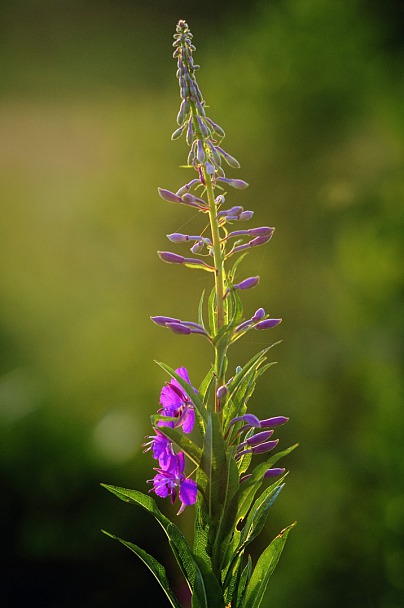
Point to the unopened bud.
(261, 231)
(246, 215)
(274, 472)
(179, 328)
(247, 283)
(177, 237)
(240, 184)
(162, 321)
(169, 196)
(275, 421)
(258, 315)
(268, 323)
(222, 392)
(171, 258)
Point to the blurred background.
(310, 93)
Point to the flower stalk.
(222, 472)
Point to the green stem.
(220, 351)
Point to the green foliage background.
(310, 93)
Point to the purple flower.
(177, 404)
(161, 448)
(172, 482)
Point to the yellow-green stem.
(220, 352)
(219, 281)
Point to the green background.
(310, 94)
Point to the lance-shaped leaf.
(258, 514)
(240, 504)
(200, 310)
(154, 566)
(187, 388)
(214, 464)
(254, 524)
(190, 448)
(206, 385)
(263, 570)
(176, 539)
(238, 595)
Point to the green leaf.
(263, 570)
(193, 451)
(232, 273)
(188, 390)
(240, 591)
(230, 484)
(176, 539)
(212, 313)
(258, 514)
(200, 310)
(240, 503)
(154, 566)
(214, 464)
(206, 385)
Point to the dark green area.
(310, 94)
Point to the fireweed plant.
(228, 473)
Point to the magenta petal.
(188, 493)
(180, 462)
(169, 398)
(189, 420)
(183, 372)
(160, 485)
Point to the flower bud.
(267, 323)
(171, 258)
(233, 211)
(179, 328)
(259, 437)
(230, 160)
(169, 196)
(258, 315)
(186, 188)
(240, 184)
(210, 169)
(216, 128)
(162, 321)
(246, 215)
(247, 283)
(201, 152)
(248, 419)
(190, 132)
(261, 231)
(177, 237)
(178, 132)
(259, 240)
(273, 472)
(197, 247)
(222, 391)
(267, 446)
(275, 421)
